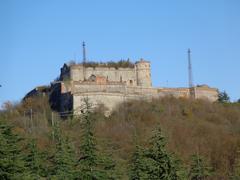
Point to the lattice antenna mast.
(190, 76)
(84, 53)
(84, 60)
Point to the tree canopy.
(223, 97)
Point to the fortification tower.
(143, 73)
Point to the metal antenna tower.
(190, 76)
(84, 52)
(84, 61)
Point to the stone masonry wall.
(127, 75)
(118, 85)
(139, 75)
(112, 94)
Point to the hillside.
(190, 127)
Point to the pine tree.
(64, 157)
(35, 161)
(199, 169)
(11, 158)
(91, 165)
(179, 171)
(137, 167)
(160, 164)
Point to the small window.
(131, 82)
(92, 78)
(120, 78)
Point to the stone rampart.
(111, 86)
(112, 94)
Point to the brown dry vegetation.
(209, 129)
(212, 130)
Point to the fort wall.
(110, 86)
(210, 94)
(113, 85)
(127, 75)
(112, 94)
(139, 75)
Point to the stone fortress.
(108, 85)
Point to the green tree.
(160, 161)
(34, 161)
(199, 170)
(92, 165)
(181, 171)
(64, 157)
(137, 167)
(11, 157)
(160, 164)
(223, 97)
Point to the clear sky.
(38, 37)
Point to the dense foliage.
(154, 162)
(223, 97)
(11, 156)
(64, 160)
(91, 164)
(199, 169)
(166, 138)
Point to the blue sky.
(38, 37)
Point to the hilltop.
(211, 130)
